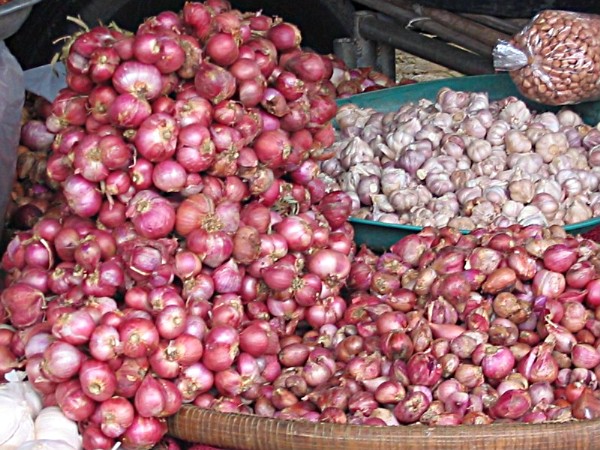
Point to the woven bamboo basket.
(246, 432)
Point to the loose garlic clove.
(551, 145)
(382, 203)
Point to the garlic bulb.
(577, 211)
(496, 134)
(439, 183)
(478, 150)
(551, 187)
(393, 179)
(472, 126)
(447, 202)
(467, 194)
(453, 145)
(356, 152)
(461, 176)
(567, 117)
(517, 142)
(512, 208)
(495, 194)
(516, 114)
(452, 101)
(52, 424)
(548, 120)
(367, 187)
(484, 212)
(547, 204)
(403, 200)
(462, 223)
(551, 145)
(430, 133)
(531, 215)
(521, 190)
(478, 101)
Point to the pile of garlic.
(25, 425)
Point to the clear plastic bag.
(12, 97)
(555, 59)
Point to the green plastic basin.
(380, 236)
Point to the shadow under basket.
(246, 432)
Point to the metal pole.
(424, 47)
(366, 50)
(343, 48)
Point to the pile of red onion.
(193, 231)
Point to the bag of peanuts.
(555, 59)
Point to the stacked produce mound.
(184, 247)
